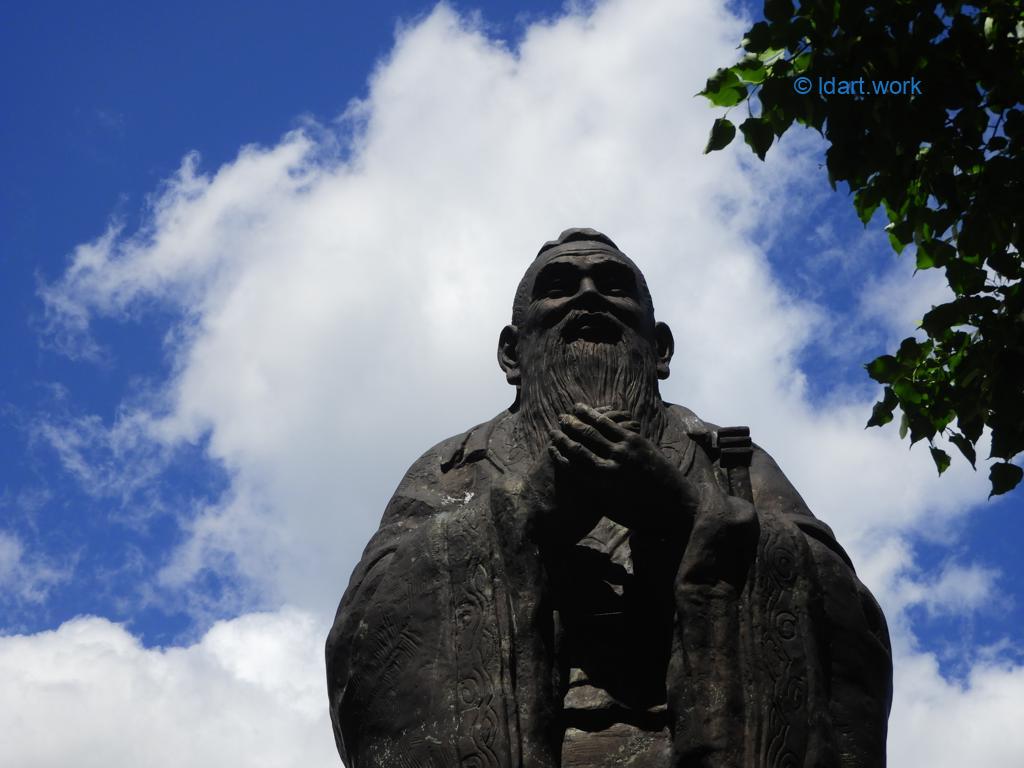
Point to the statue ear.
(508, 354)
(665, 345)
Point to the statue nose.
(587, 287)
(589, 297)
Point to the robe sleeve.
(782, 655)
(854, 654)
(417, 670)
(706, 679)
(386, 631)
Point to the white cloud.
(899, 298)
(935, 722)
(26, 577)
(120, 461)
(340, 302)
(249, 693)
(956, 589)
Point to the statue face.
(589, 296)
(595, 296)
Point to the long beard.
(557, 374)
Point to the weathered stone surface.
(598, 578)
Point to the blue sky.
(255, 263)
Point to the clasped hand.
(635, 484)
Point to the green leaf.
(866, 201)
(770, 54)
(904, 426)
(882, 411)
(940, 419)
(1005, 420)
(884, 369)
(965, 279)
(957, 312)
(912, 351)
(722, 132)
(965, 446)
(944, 316)
(894, 241)
(724, 89)
(900, 233)
(924, 261)
(920, 427)
(1006, 264)
(906, 391)
(778, 10)
(782, 68)
(751, 69)
(758, 134)
(997, 143)
(1004, 477)
(971, 425)
(797, 32)
(1013, 124)
(938, 252)
(941, 459)
(758, 38)
(778, 119)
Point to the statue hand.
(723, 544)
(642, 489)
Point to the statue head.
(583, 329)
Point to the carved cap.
(581, 235)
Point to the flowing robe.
(460, 641)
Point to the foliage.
(947, 168)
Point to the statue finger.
(606, 426)
(557, 456)
(622, 418)
(617, 416)
(577, 452)
(586, 434)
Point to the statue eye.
(615, 280)
(556, 281)
(613, 288)
(557, 288)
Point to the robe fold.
(456, 644)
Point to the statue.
(595, 577)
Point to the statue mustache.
(577, 320)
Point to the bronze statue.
(596, 577)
